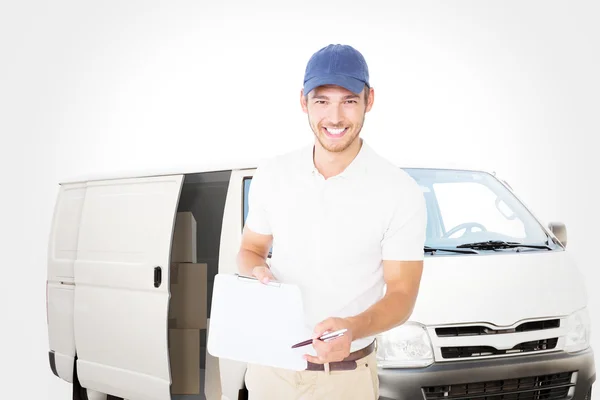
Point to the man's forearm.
(247, 260)
(392, 310)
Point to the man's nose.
(335, 115)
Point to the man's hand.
(263, 274)
(334, 350)
(252, 256)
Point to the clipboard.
(257, 323)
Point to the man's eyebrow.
(323, 97)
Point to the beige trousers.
(266, 383)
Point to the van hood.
(500, 288)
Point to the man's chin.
(335, 146)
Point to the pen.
(325, 337)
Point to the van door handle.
(157, 276)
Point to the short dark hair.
(366, 94)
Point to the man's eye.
(351, 101)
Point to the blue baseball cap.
(337, 64)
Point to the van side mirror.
(560, 231)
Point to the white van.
(492, 321)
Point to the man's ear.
(370, 100)
(303, 101)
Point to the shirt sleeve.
(257, 219)
(405, 236)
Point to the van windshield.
(468, 207)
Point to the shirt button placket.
(319, 217)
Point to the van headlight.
(406, 346)
(578, 331)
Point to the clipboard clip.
(253, 279)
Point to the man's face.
(336, 115)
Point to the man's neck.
(331, 164)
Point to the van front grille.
(481, 351)
(476, 330)
(548, 387)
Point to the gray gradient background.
(88, 87)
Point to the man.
(344, 225)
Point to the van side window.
(247, 182)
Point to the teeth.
(335, 131)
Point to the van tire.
(79, 392)
(94, 395)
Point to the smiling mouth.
(335, 132)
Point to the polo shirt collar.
(356, 167)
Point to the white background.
(92, 87)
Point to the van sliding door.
(122, 286)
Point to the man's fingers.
(320, 346)
(324, 358)
(330, 347)
(322, 327)
(263, 274)
(330, 351)
(324, 351)
(268, 276)
(312, 359)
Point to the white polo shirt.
(330, 236)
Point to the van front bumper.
(501, 377)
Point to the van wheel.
(81, 393)
(243, 394)
(87, 394)
(93, 395)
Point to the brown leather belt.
(347, 364)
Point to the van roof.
(194, 168)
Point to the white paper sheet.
(257, 323)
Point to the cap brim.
(352, 84)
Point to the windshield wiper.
(500, 244)
(453, 250)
